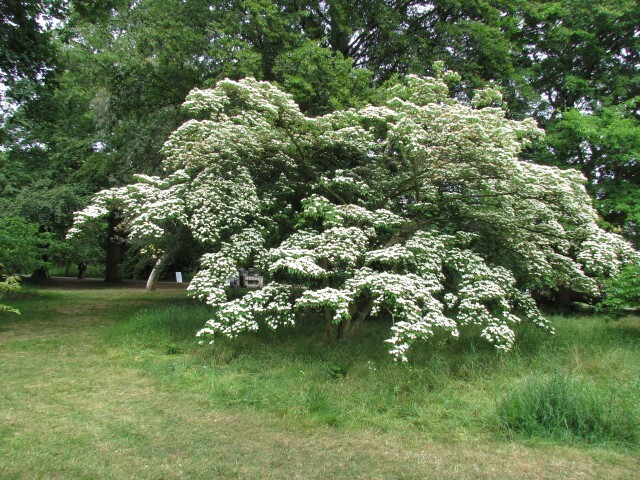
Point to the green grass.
(112, 383)
(459, 388)
(568, 408)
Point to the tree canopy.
(416, 206)
(25, 48)
(97, 86)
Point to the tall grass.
(565, 407)
(112, 383)
(448, 388)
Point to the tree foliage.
(22, 246)
(581, 60)
(416, 207)
(124, 68)
(8, 284)
(26, 51)
(622, 291)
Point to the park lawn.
(111, 383)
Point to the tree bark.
(112, 273)
(40, 274)
(344, 327)
(362, 314)
(328, 312)
(359, 312)
(328, 323)
(155, 273)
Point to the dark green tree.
(581, 60)
(26, 51)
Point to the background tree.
(581, 58)
(27, 54)
(321, 80)
(110, 108)
(622, 292)
(21, 245)
(50, 141)
(26, 51)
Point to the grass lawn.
(111, 383)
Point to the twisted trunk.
(360, 311)
(363, 312)
(328, 322)
(155, 274)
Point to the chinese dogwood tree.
(416, 206)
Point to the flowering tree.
(416, 206)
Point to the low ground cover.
(111, 383)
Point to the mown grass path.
(72, 407)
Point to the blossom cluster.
(270, 305)
(146, 206)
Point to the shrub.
(622, 291)
(21, 245)
(8, 284)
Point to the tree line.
(93, 89)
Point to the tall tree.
(127, 68)
(26, 51)
(581, 58)
(49, 141)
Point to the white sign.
(179, 277)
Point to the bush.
(22, 247)
(561, 407)
(622, 291)
(8, 284)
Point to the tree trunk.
(328, 312)
(343, 329)
(363, 313)
(113, 248)
(39, 275)
(328, 322)
(155, 273)
(359, 312)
